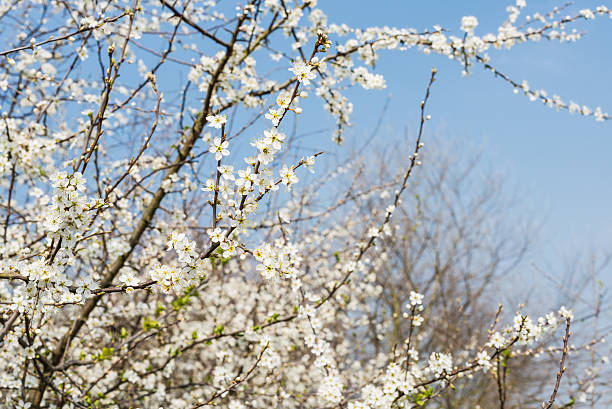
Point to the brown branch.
(8, 325)
(64, 37)
(194, 25)
(124, 288)
(548, 405)
(501, 390)
(237, 381)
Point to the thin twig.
(548, 405)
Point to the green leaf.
(106, 353)
(505, 356)
(273, 318)
(180, 302)
(149, 323)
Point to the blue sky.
(559, 163)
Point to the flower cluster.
(190, 271)
(268, 145)
(396, 379)
(227, 246)
(303, 72)
(288, 176)
(403, 375)
(330, 387)
(439, 363)
(70, 212)
(281, 259)
(24, 145)
(413, 308)
(468, 24)
(47, 285)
